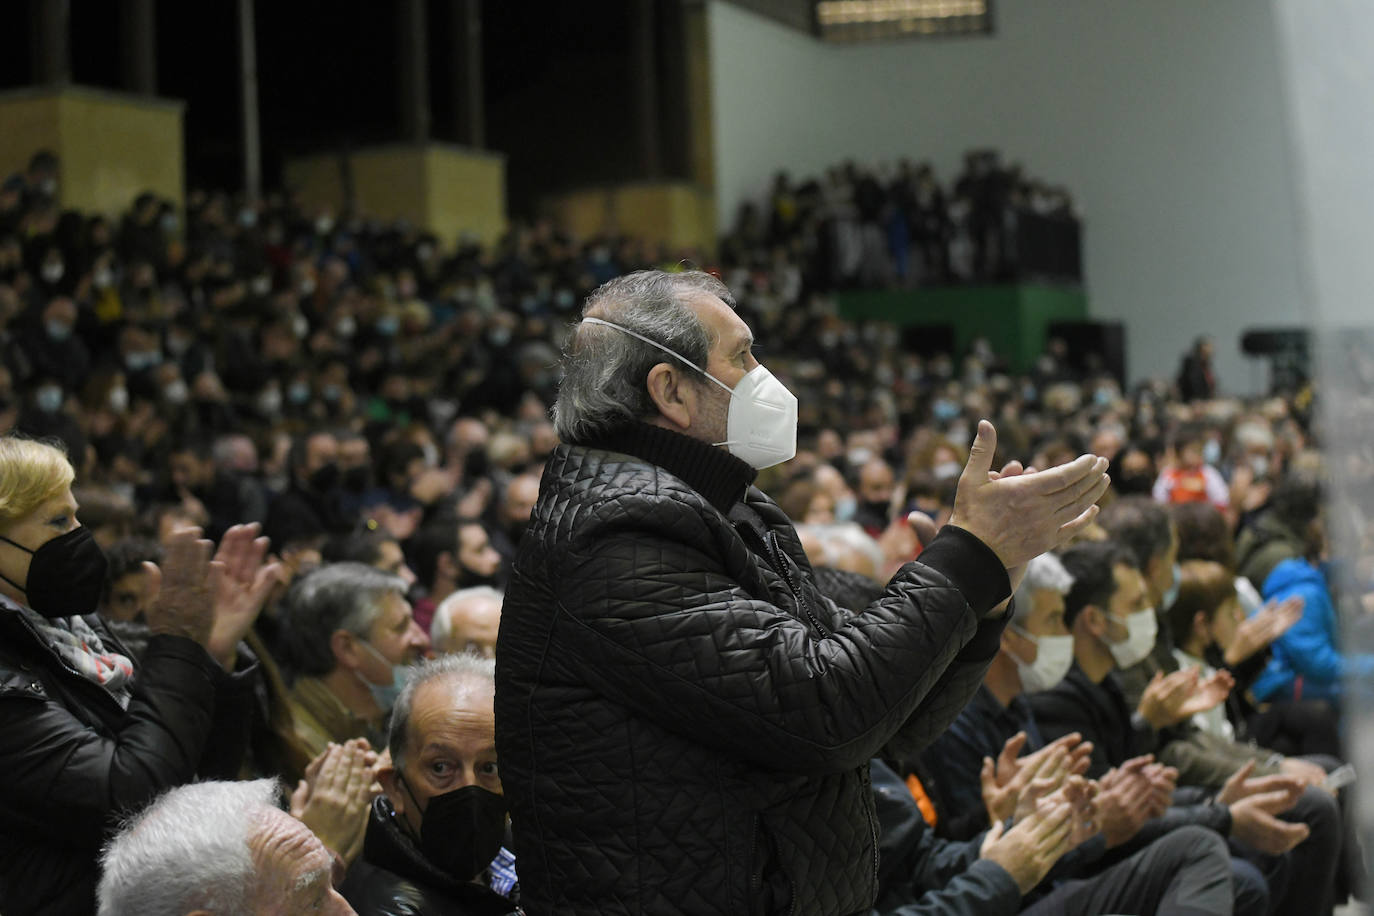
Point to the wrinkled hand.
(1163, 782)
(1125, 801)
(243, 589)
(1256, 633)
(185, 586)
(334, 798)
(1081, 794)
(1024, 515)
(1005, 781)
(1029, 849)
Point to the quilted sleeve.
(654, 623)
(64, 779)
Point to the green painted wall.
(1014, 319)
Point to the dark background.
(558, 83)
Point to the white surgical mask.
(1141, 630)
(1053, 656)
(761, 427)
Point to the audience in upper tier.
(1155, 729)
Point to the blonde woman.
(84, 736)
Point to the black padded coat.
(684, 723)
(72, 760)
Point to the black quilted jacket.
(684, 723)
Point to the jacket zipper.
(785, 570)
(868, 813)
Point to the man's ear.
(1200, 628)
(344, 645)
(671, 394)
(1091, 622)
(386, 776)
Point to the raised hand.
(244, 586)
(1021, 516)
(1255, 633)
(1030, 848)
(334, 798)
(1207, 694)
(1005, 781)
(185, 585)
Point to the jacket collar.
(711, 471)
(387, 846)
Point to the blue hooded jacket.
(1309, 650)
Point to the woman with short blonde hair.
(83, 738)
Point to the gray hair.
(456, 667)
(1044, 573)
(188, 850)
(339, 596)
(441, 627)
(604, 370)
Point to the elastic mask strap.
(26, 550)
(654, 343)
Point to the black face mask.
(461, 831)
(325, 478)
(878, 508)
(1133, 484)
(476, 464)
(66, 575)
(357, 480)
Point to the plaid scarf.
(80, 646)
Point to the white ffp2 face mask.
(1141, 630)
(761, 427)
(1053, 656)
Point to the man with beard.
(449, 557)
(512, 513)
(434, 840)
(311, 501)
(228, 499)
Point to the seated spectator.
(467, 621)
(874, 487)
(312, 500)
(109, 515)
(434, 841)
(446, 562)
(512, 514)
(1107, 611)
(1213, 630)
(1035, 653)
(347, 631)
(1291, 527)
(371, 547)
(84, 731)
(226, 498)
(1184, 872)
(217, 847)
(1190, 478)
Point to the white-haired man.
(216, 849)
(467, 621)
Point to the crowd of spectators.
(378, 401)
(885, 227)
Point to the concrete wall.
(1163, 117)
(447, 189)
(112, 146)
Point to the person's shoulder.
(591, 477)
